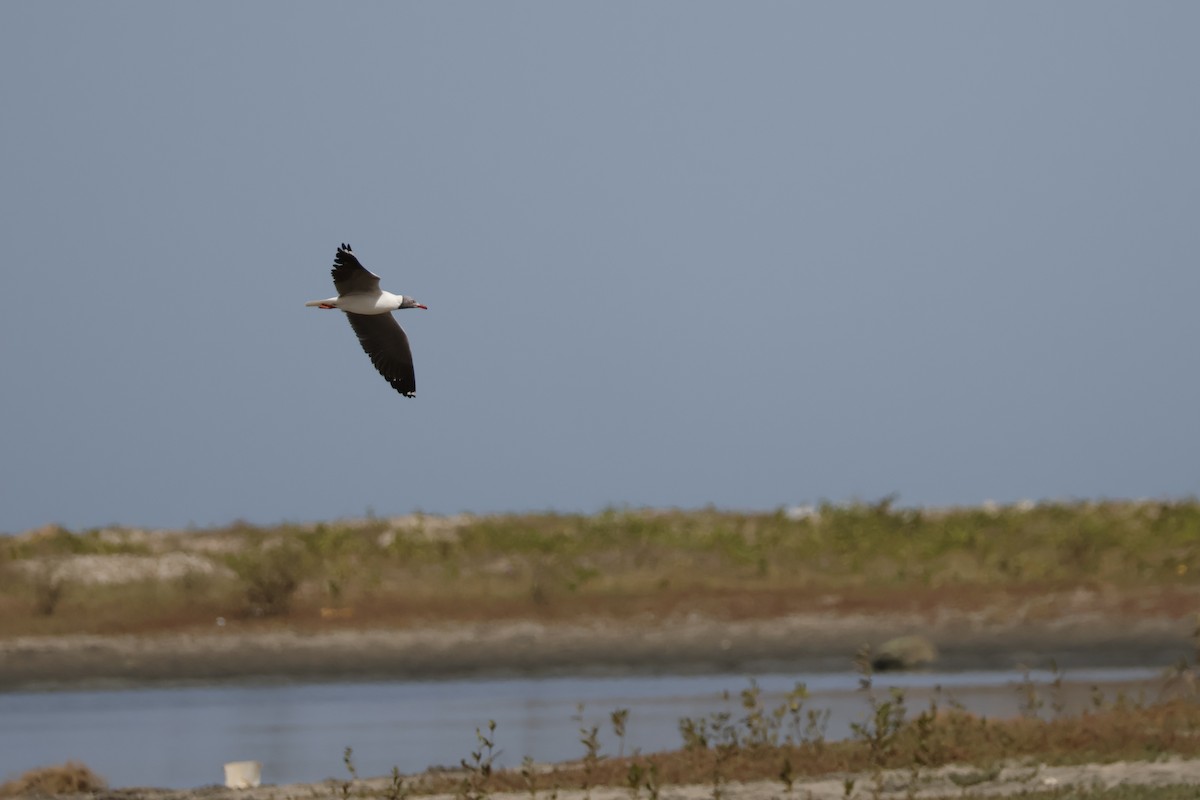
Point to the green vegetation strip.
(420, 569)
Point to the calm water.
(181, 737)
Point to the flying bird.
(369, 310)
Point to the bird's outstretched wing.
(386, 343)
(349, 276)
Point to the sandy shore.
(803, 642)
(955, 781)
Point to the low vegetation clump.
(69, 778)
(413, 570)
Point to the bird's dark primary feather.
(387, 345)
(349, 276)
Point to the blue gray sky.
(678, 253)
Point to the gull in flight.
(369, 310)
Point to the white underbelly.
(364, 304)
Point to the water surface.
(180, 737)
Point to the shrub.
(270, 573)
(69, 778)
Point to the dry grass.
(928, 740)
(69, 778)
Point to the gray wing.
(386, 343)
(351, 277)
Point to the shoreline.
(952, 781)
(799, 642)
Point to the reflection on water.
(180, 737)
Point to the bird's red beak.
(418, 305)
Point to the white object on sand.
(243, 774)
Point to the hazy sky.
(677, 253)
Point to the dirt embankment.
(800, 642)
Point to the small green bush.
(270, 574)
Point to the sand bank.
(954, 781)
(802, 642)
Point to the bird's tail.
(322, 303)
